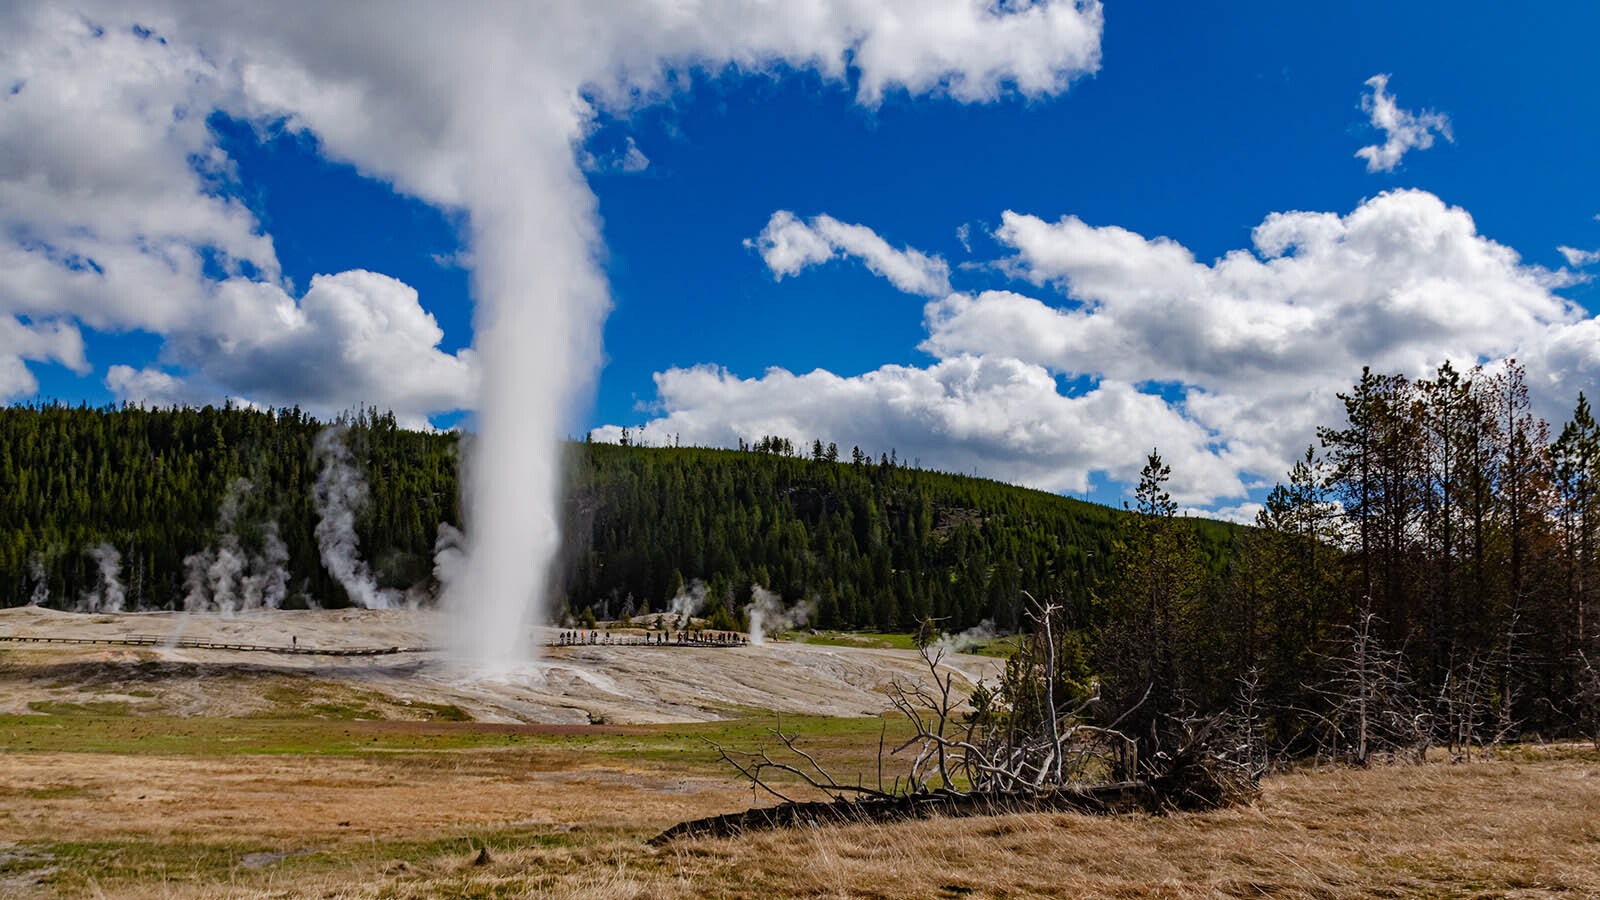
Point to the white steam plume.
(108, 594)
(690, 599)
(969, 640)
(767, 614)
(225, 577)
(538, 338)
(40, 595)
(212, 577)
(448, 557)
(340, 494)
(267, 581)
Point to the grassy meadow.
(97, 802)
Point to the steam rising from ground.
(108, 595)
(690, 599)
(448, 556)
(41, 580)
(226, 577)
(767, 614)
(340, 494)
(969, 640)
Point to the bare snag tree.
(1030, 733)
(1029, 742)
(1372, 709)
(1586, 699)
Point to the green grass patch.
(78, 867)
(1574, 751)
(87, 708)
(688, 746)
(1003, 647)
(999, 647)
(443, 712)
(342, 711)
(75, 868)
(172, 735)
(873, 640)
(320, 700)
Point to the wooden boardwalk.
(161, 640)
(599, 639)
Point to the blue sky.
(1197, 125)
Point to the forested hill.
(227, 488)
(872, 543)
(221, 501)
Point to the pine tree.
(1148, 651)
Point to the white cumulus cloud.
(117, 206)
(1227, 366)
(1001, 417)
(1403, 130)
(114, 200)
(1400, 282)
(353, 337)
(788, 245)
(1579, 258)
(1264, 337)
(47, 341)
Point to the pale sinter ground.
(566, 685)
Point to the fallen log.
(1107, 799)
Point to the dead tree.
(1209, 767)
(1020, 736)
(1372, 707)
(1249, 720)
(1027, 743)
(1464, 707)
(759, 767)
(1475, 709)
(1586, 697)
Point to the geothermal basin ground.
(184, 772)
(612, 683)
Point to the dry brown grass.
(1501, 829)
(409, 827)
(296, 802)
(315, 804)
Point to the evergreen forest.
(868, 543)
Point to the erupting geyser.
(483, 110)
(542, 300)
(514, 134)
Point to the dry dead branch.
(1372, 708)
(1023, 745)
(1586, 701)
